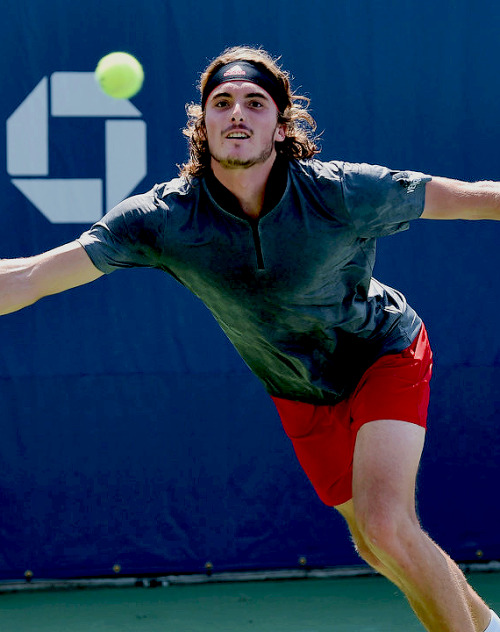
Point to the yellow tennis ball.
(120, 75)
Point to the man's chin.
(239, 162)
(234, 163)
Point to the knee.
(387, 533)
(366, 553)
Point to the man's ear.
(280, 134)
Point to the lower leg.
(435, 587)
(479, 611)
(433, 584)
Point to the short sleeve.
(130, 235)
(381, 201)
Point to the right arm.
(25, 281)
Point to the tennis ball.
(120, 75)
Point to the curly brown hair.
(300, 126)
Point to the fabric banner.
(132, 432)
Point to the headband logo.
(235, 70)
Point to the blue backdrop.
(132, 433)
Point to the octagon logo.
(85, 200)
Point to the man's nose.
(237, 112)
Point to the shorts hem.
(417, 421)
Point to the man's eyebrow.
(261, 95)
(216, 95)
(250, 95)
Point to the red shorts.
(396, 386)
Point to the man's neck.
(248, 185)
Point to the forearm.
(455, 199)
(25, 281)
(16, 289)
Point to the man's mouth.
(238, 134)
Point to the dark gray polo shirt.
(294, 291)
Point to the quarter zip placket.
(259, 255)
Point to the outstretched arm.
(454, 199)
(25, 281)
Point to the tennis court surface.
(366, 604)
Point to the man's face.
(241, 121)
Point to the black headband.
(247, 71)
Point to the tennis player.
(280, 246)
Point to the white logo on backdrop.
(74, 94)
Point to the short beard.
(237, 163)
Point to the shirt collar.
(275, 187)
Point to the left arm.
(455, 199)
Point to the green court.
(366, 604)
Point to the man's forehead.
(240, 87)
